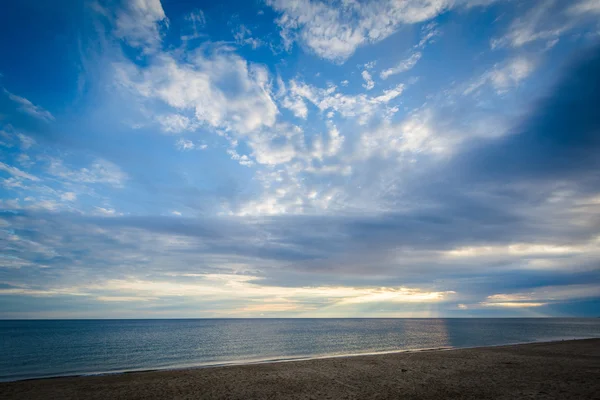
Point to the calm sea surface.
(34, 349)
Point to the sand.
(559, 370)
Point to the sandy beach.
(558, 370)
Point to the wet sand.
(559, 370)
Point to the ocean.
(48, 348)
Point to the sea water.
(46, 348)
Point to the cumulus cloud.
(335, 30)
(221, 89)
(139, 23)
(415, 134)
(361, 105)
(369, 83)
(296, 105)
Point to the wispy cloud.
(503, 77)
(29, 108)
(403, 66)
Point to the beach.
(555, 370)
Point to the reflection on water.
(50, 348)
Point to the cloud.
(547, 21)
(68, 196)
(105, 211)
(26, 141)
(415, 134)
(175, 123)
(185, 144)
(369, 83)
(139, 23)
(221, 89)
(558, 139)
(505, 76)
(197, 21)
(14, 171)
(243, 36)
(349, 106)
(542, 296)
(100, 172)
(241, 159)
(296, 105)
(585, 7)
(523, 304)
(363, 201)
(335, 31)
(403, 66)
(28, 107)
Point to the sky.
(299, 158)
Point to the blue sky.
(299, 158)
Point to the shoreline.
(237, 363)
(566, 369)
(276, 361)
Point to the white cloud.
(361, 105)
(504, 77)
(17, 173)
(296, 105)
(101, 171)
(585, 7)
(547, 21)
(331, 148)
(139, 23)
(429, 32)
(403, 66)
(185, 144)
(369, 83)
(29, 108)
(241, 288)
(370, 64)
(105, 211)
(243, 36)
(68, 196)
(196, 21)
(508, 304)
(542, 296)
(26, 141)
(25, 160)
(242, 159)
(335, 30)
(515, 250)
(223, 90)
(278, 145)
(175, 123)
(415, 134)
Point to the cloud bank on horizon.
(299, 158)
